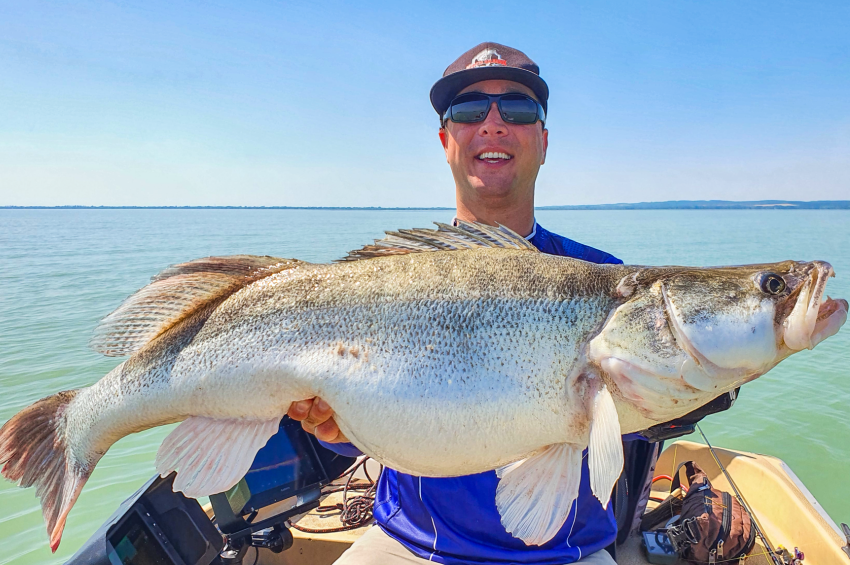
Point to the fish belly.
(432, 387)
(451, 424)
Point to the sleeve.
(346, 449)
(593, 255)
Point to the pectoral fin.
(211, 455)
(605, 450)
(534, 496)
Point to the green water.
(62, 270)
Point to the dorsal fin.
(176, 293)
(466, 235)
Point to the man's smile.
(494, 157)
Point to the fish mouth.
(831, 316)
(814, 319)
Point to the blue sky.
(326, 104)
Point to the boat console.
(162, 527)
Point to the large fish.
(443, 353)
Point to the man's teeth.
(494, 155)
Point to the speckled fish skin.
(467, 352)
(480, 356)
(441, 363)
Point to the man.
(492, 103)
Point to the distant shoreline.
(667, 205)
(377, 208)
(714, 205)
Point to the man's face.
(499, 177)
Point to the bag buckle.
(683, 535)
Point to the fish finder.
(159, 526)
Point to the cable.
(355, 511)
(669, 478)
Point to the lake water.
(62, 270)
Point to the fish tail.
(34, 452)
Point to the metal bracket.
(846, 529)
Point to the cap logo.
(487, 58)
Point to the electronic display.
(287, 465)
(135, 545)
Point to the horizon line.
(666, 204)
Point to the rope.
(355, 511)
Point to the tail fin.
(34, 451)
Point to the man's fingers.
(326, 431)
(329, 432)
(300, 410)
(319, 413)
(316, 417)
(321, 410)
(311, 413)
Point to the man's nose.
(493, 124)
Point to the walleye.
(443, 352)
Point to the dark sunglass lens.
(468, 109)
(518, 109)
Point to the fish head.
(684, 335)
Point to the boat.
(302, 504)
(787, 513)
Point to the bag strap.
(668, 508)
(661, 514)
(751, 540)
(716, 549)
(671, 505)
(676, 482)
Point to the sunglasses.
(515, 108)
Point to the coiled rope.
(355, 511)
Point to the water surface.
(63, 270)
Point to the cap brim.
(447, 87)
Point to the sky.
(260, 103)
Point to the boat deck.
(787, 512)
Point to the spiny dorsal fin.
(176, 293)
(466, 235)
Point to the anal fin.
(534, 496)
(211, 455)
(605, 450)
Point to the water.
(62, 270)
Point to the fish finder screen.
(286, 465)
(134, 544)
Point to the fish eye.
(771, 283)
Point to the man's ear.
(545, 144)
(444, 138)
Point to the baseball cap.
(488, 61)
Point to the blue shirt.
(455, 521)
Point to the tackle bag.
(712, 526)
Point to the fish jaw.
(832, 314)
(814, 319)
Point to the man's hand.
(316, 417)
